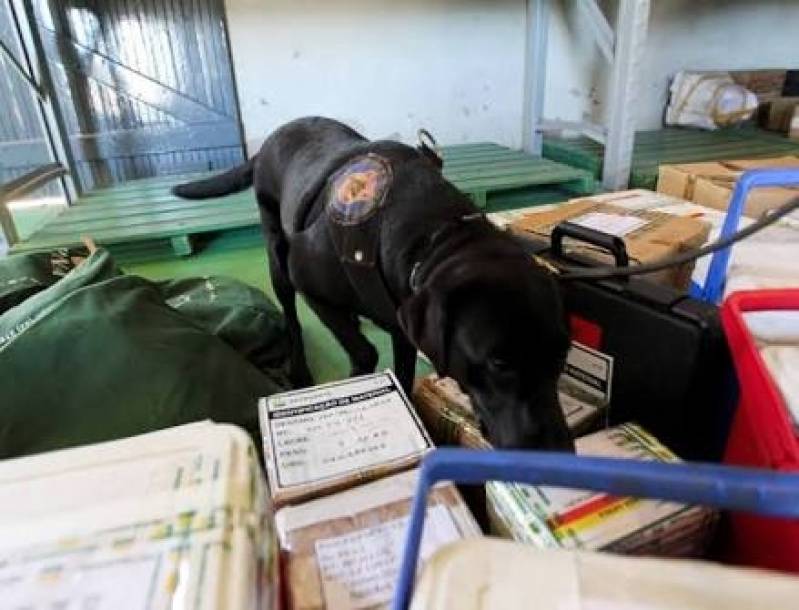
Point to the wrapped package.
(142, 523)
(333, 436)
(708, 100)
(648, 236)
(782, 362)
(447, 413)
(776, 334)
(487, 573)
(449, 416)
(550, 517)
(450, 419)
(344, 550)
(763, 260)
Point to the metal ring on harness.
(427, 140)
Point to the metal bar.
(29, 182)
(535, 76)
(596, 132)
(155, 140)
(603, 33)
(24, 18)
(79, 88)
(20, 69)
(742, 489)
(19, 187)
(234, 86)
(631, 28)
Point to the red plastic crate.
(762, 433)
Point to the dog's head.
(499, 330)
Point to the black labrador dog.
(463, 292)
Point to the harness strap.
(355, 196)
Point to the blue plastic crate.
(742, 489)
(713, 289)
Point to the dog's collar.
(417, 276)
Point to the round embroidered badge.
(358, 189)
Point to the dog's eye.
(498, 364)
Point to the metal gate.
(145, 87)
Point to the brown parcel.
(777, 114)
(343, 551)
(657, 235)
(794, 131)
(450, 419)
(765, 84)
(711, 183)
(325, 438)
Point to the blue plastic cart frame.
(713, 289)
(743, 489)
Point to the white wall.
(456, 66)
(683, 35)
(386, 68)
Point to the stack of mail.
(344, 550)
(553, 517)
(333, 436)
(777, 336)
(449, 415)
(173, 519)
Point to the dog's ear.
(423, 319)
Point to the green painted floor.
(326, 358)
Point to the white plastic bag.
(708, 100)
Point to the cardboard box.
(343, 551)
(337, 435)
(550, 517)
(648, 236)
(776, 115)
(765, 84)
(711, 183)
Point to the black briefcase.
(671, 368)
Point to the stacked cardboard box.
(648, 236)
(339, 459)
(711, 183)
(153, 521)
(765, 84)
(779, 115)
(577, 519)
(764, 260)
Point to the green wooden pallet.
(672, 145)
(494, 175)
(141, 219)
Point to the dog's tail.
(232, 181)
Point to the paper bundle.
(172, 519)
(344, 550)
(337, 435)
(551, 517)
(584, 393)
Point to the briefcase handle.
(612, 243)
